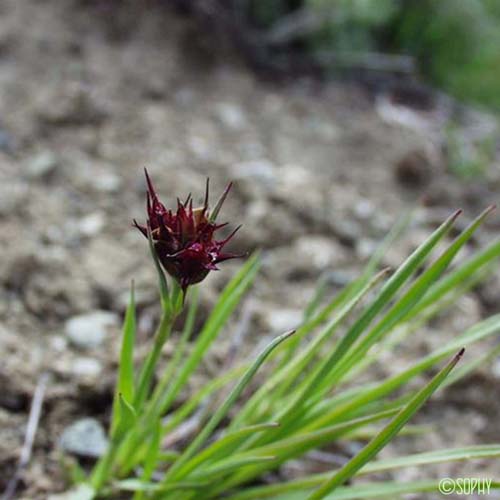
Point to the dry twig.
(29, 438)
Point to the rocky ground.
(91, 92)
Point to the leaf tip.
(456, 214)
(384, 272)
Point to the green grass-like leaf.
(386, 434)
(177, 470)
(419, 459)
(228, 300)
(125, 383)
(128, 417)
(308, 399)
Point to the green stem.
(221, 412)
(162, 334)
(160, 390)
(149, 412)
(103, 467)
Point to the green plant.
(468, 158)
(454, 45)
(309, 397)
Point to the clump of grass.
(454, 45)
(310, 396)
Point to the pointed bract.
(184, 240)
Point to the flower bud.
(184, 240)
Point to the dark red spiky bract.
(184, 240)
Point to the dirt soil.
(92, 91)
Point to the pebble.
(262, 171)
(41, 166)
(365, 248)
(91, 224)
(320, 252)
(86, 368)
(88, 331)
(364, 209)
(348, 231)
(6, 142)
(58, 343)
(200, 147)
(495, 369)
(107, 182)
(342, 277)
(284, 319)
(69, 104)
(80, 492)
(84, 438)
(12, 197)
(231, 115)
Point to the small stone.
(364, 209)
(346, 230)
(84, 438)
(365, 248)
(69, 104)
(200, 147)
(495, 369)
(41, 166)
(91, 224)
(231, 115)
(319, 251)
(107, 182)
(342, 277)
(12, 197)
(81, 492)
(86, 368)
(7, 143)
(284, 319)
(58, 343)
(88, 331)
(184, 96)
(262, 171)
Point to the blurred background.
(333, 117)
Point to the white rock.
(91, 224)
(88, 331)
(84, 438)
(12, 196)
(365, 248)
(262, 171)
(81, 492)
(320, 252)
(107, 182)
(41, 165)
(364, 209)
(495, 369)
(231, 115)
(86, 368)
(282, 320)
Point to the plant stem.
(162, 334)
(101, 471)
(103, 468)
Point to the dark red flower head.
(184, 240)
